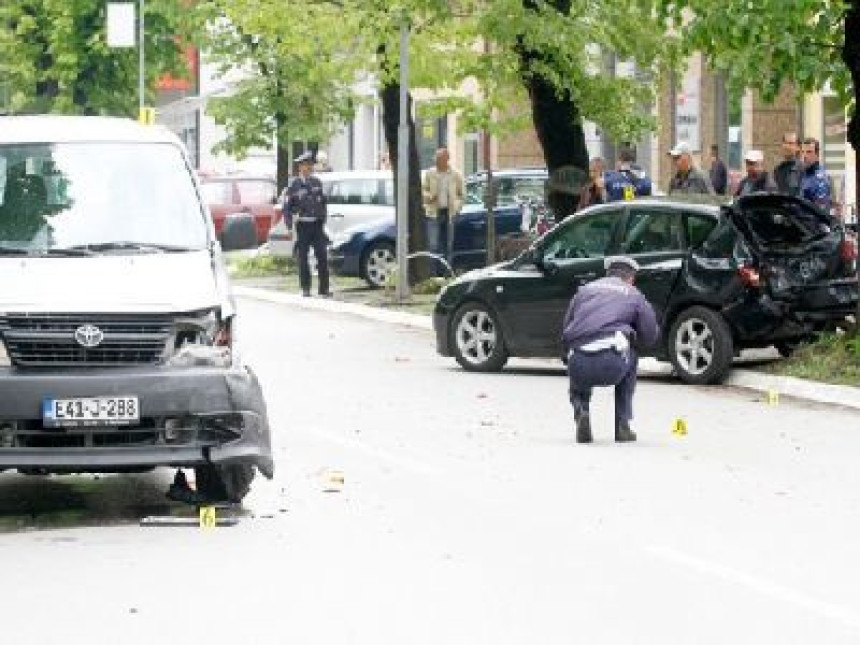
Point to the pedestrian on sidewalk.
(688, 179)
(594, 192)
(627, 181)
(306, 206)
(757, 179)
(719, 175)
(814, 183)
(605, 318)
(442, 194)
(788, 172)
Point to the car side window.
(582, 237)
(651, 231)
(253, 191)
(699, 227)
(387, 196)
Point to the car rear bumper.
(188, 417)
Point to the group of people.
(626, 182)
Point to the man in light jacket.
(442, 194)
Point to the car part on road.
(228, 482)
(700, 346)
(478, 342)
(377, 263)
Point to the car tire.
(477, 339)
(376, 262)
(700, 346)
(224, 482)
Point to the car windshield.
(119, 197)
(510, 189)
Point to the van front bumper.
(188, 417)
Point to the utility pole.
(490, 192)
(141, 70)
(402, 246)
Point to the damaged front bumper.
(189, 416)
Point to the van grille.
(40, 340)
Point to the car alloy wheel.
(379, 263)
(701, 346)
(478, 339)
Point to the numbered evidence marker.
(146, 116)
(629, 194)
(679, 427)
(771, 397)
(208, 517)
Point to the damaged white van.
(116, 322)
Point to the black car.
(765, 270)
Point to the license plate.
(109, 410)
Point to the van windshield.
(118, 196)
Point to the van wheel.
(377, 263)
(701, 346)
(224, 482)
(478, 342)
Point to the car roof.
(688, 206)
(79, 129)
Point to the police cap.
(307, 157)
(621, 262)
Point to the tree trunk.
(557, 121)
(419, 269)
(851, 56)
(283, 163)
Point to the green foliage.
(833, 358)
(54, 56)
(764, 44)
(260, 265)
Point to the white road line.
(407, 463)
(761, 585)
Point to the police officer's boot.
(583, 427)
(623, 431)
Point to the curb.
(842, 395)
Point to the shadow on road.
(32, 502)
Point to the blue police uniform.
(815, 186)
(306, 206)
(603, 321)
(625, 184)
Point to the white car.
(354, 197)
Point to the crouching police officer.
(605, 318)
(306, 206)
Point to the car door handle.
(335, 214)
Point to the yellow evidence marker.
(771, 397)
(679, 427)
(146, 116)
(208, 517)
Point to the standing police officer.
(627, 181)
(306, 206)
(605, 318)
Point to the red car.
(227, 194)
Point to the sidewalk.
(842, 395)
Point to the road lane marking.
(761, 585)
(407, 463)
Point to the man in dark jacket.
(604, 320)
(306, 206)
(788, 172)
(719, 174)
(756, 180)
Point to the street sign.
(120, 24)
(146, 116)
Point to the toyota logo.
(89, 336)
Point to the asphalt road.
(468, 515)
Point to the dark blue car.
(367, 250)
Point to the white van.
(116, 322)
(354, 197)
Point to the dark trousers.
(442, 234)
(311, 235)
(602, 369)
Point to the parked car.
(231, 194)
(368, 250)
(116, 320)
(767, 269)
(355, 198)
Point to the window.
(699, 227)
(217, 192)
(510, 189)
(255, 191)
(582, 237)
(651, 231)
(352, 191)
(388, 192)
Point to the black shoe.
(306, 293)
(623, 432)
(326, 294)
(583, 428)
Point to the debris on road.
(333, 481)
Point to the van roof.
(70, 129)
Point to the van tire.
(700, 346)
(224, 482)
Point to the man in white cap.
(605, 318)
(688, 179)
(757, 179)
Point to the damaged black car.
(767, 270)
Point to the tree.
(810, 44)
(54, 56)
